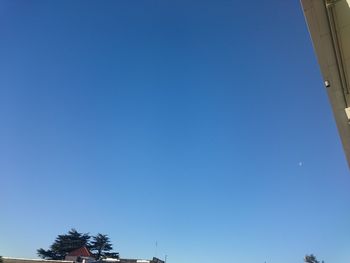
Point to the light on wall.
(347, 111)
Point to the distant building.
(80, 255)
(124, 260)
(27, 260)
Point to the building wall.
(329, 26)
(122, 260)
(23, 260)
(154, 260)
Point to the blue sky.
(200, 125)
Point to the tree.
(311, 259)
(102, 247)
(64, 244)
(1, 259)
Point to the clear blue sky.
(202, 125)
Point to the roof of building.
(80, 252)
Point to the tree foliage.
(63, 244)
(311, 259)
(101, 246)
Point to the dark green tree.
(101, 247)
(64, 244)
(1, 259)
(311, 259)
